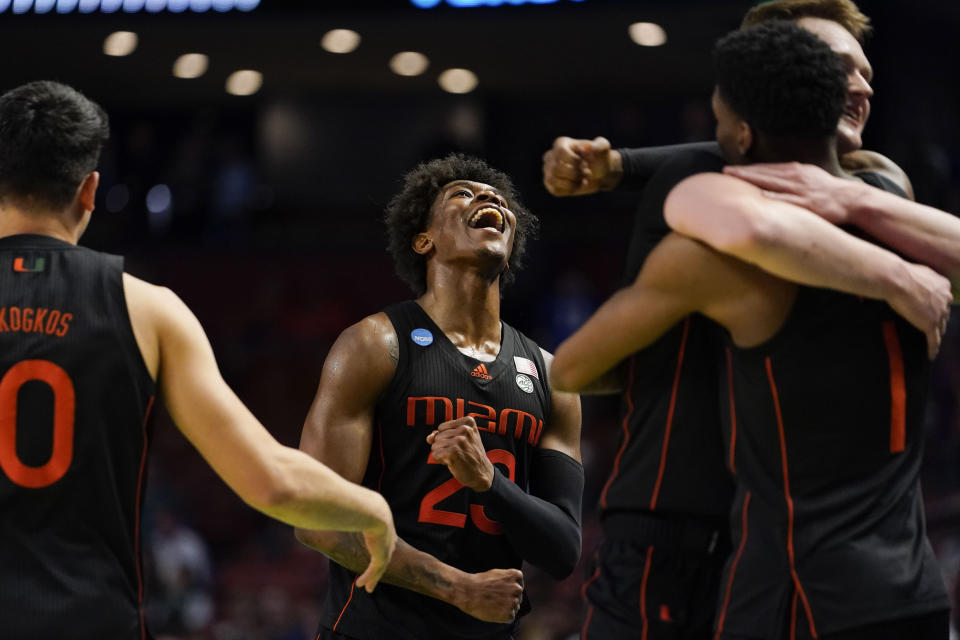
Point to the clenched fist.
(493, 596)
(575, 167)
(457, 444)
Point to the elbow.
(271, 489)
(566, 558)
(303, 536)
(308, 537)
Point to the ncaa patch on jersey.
(525, 383)
(525, 365)
(421, 337)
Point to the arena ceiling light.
(340, 40)
(409, 63)
(120, 43)
(647, 34)
(245, 82)
(458, 81)
(190, 65)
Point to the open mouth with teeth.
(486, 218)
(852, 113)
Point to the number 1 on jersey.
(64, 408)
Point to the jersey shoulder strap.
(525, 352)
(407, 319)
(881, 181)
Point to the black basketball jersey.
(670, 457)
(74, 395)
(825, 422)
(434, 383)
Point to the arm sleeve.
(640, 164)
(544, 525)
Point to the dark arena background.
(253, 185)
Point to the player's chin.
(493, 258)
(849, 137)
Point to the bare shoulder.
(373, 336)
(152, 309)
(863, 160)
(159, 302)
(363, 359)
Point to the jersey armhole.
(537, 356)
(124, 325)
(397, 316)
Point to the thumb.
(378, 563)
(600, 145)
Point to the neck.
(822, 153)
(465, 304)
(15, 221)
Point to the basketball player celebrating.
(580, 167)
(448, 412)
(668, 489)
(828, 519)
(82, 348)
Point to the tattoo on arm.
(406, 571)
(394, 349)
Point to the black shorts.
(659, 591)
(929, 626)
(327, 634)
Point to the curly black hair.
(408, 213)
(50, 139)
(781, 79)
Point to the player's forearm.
(409, 568)
(813, 252)
(639, 164)
(545, 530)
(609, 383)
(292, 487)
(631, 319)
(928, 235)
(782, 239)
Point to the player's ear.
(422, 243)
(745, 138)
(87, 192)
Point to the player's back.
(74, 394)
(826, 424)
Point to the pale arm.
(283, 483)
(679, 277)
(794, 244)
(339, 430)
(926, 234)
